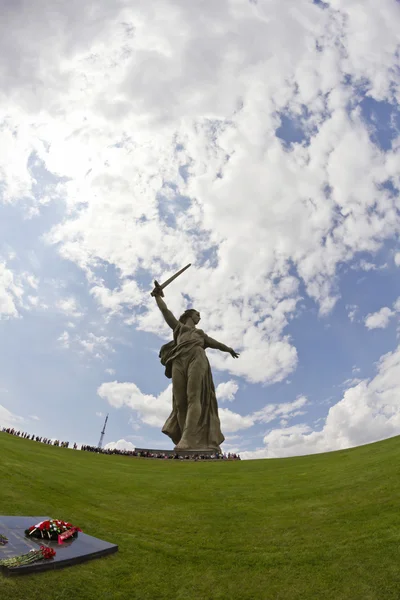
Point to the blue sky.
(261, 145)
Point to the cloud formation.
(119, 445)
(9, 419)
(206, 156)
(369, 411)
(226, 391)
(153, 410)
(10, 293)
(381, 318)
(241, 145)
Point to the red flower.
(47, 552)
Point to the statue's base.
(179, 452)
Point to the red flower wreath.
(53, 529)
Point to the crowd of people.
(36, 438)
(160, 454)
(132, 453)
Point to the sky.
(258, 140)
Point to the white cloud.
(99, 414)
(270, 412)
(231, 422)
(368, 412)
(352, 311)
(110, 371)
(129, 294)
(120, 445)
(31, 280)
(397, 259)
(69, 307)
(151, 410)
(90, 344)
(380, 319)
(34, 417)
(9, 419)
(352, 381)
(10, 293)
(230, 438)
(96, 345)
(14, 285)
(134, 422)
(364, 265)
(226, 448)
(396, 305)
(64, 339)
(226, 391)
(33, 300)
(154, 410)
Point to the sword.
(161, 286)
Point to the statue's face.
(195, 317)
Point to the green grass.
(325, 526)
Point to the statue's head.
(191, 313)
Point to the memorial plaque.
(70, 552)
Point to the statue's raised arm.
(158, 294)
(170, 319)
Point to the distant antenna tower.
(102, 433)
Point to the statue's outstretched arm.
(166, 313)
(211, 343)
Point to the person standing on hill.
(194, 422)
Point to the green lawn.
(325, 526)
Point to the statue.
(194, 422)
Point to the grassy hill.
(325, 526)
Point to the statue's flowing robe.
(187, 364)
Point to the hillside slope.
(322, 526)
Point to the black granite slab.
(70, 552)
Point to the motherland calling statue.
(194, 422)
